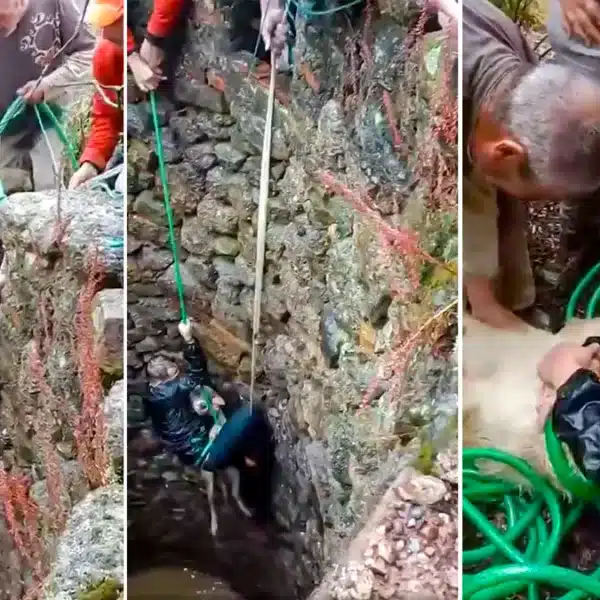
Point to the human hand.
(85, 172)
(448, 12)
(561, 361)
(33, 93)
(146, 78)
(581, 18)
(274, 30)
(185, 329)
(152, 55)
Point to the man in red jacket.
(108, 73)
(146, 62)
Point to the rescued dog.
(201, 407)
(501, 388)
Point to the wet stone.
(226, 246)
(229, 157)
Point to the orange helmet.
(102, 13)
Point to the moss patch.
(109, 589)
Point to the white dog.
(202, 408)
(501, 388)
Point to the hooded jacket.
(107, 120)
(576, 419)
(183, 431)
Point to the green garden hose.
(516, 559)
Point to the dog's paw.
(214, 528)
(247, 512)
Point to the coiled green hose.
(518, 557)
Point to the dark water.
(171, 583)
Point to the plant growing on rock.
(90, 427)
(53, 392)
(422, 237)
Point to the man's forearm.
(76, 68)
(196, 361)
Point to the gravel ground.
(412, 553)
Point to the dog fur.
(501, 387)
(233, 476)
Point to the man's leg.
(516, 286)
(13, 157)
(46, 157)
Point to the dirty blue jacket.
(183, 431)
(576, 421)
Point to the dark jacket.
(576, 421)
(184, 432)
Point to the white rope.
(265, 169)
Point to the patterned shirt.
(42, 31)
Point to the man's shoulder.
(481, 18)
(108, 63)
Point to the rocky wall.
(61, 324)
(334, 303)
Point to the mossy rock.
(109, 589)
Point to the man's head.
(107, 16)
(11, 12)
(204, 398)
(541, 138)
(160, 369)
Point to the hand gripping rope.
(518, 559)
(17, 108)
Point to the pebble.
(430, 533)
(385, 551)
(379, 567)
(423, 489)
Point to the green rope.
(17, 108)
(59, 130)
(163, 177)
(304, 8)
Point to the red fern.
(90, 428)
(45, 418)
(22, 517)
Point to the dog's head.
(204, 400)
